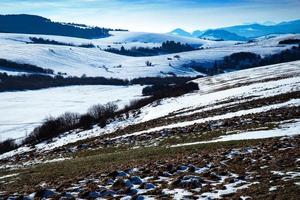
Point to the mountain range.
(243, 32)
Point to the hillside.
(76, 61)
(32, 24)
(238, 134)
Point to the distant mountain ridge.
(32, 24)
(180, 32)
(246, 31)
(257, 30)
(222, 35)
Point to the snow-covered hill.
(167, 145)
(242, 94)
(77, 61)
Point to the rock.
(140, 197)
(171, 168)
(45, 193)
(188, 181)
(67, 195)
(182, 168)
(133, 191)
(115, 174)
(192, 168)
(211, 176)
(147, 186)
(166, 174)
(110, 181)
(128, 184)
(107, 193)
(135, 180)
(119, 184)
(94, 194)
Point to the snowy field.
(96, 62)
(22, 111)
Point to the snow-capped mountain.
(180, 32)
(257, 30)
(247, 31)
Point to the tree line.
(245, 60)
(36, 40)
(13, 66)
(32, 24)
(166, 48)
(38, 81)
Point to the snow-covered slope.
(77, 61)
(271, 89)
(145, 37)
(30, 108)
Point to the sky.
(157, 15)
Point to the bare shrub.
(7, 145)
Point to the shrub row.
(97, 114)
(245, 60)
(40, 40)
(170, 90)
(53, 127)
(7, 145)
(166, 48)
(36, 81)
(13, 66)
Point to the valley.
(98, 113)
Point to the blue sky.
(157, 15)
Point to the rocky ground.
(266, 169)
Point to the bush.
(170, 90)
(86, 121)
(148, 63)
(159, 92)
(53, 127)
(69, 119)
(162, 80)
(101, 113)
(7, 145)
